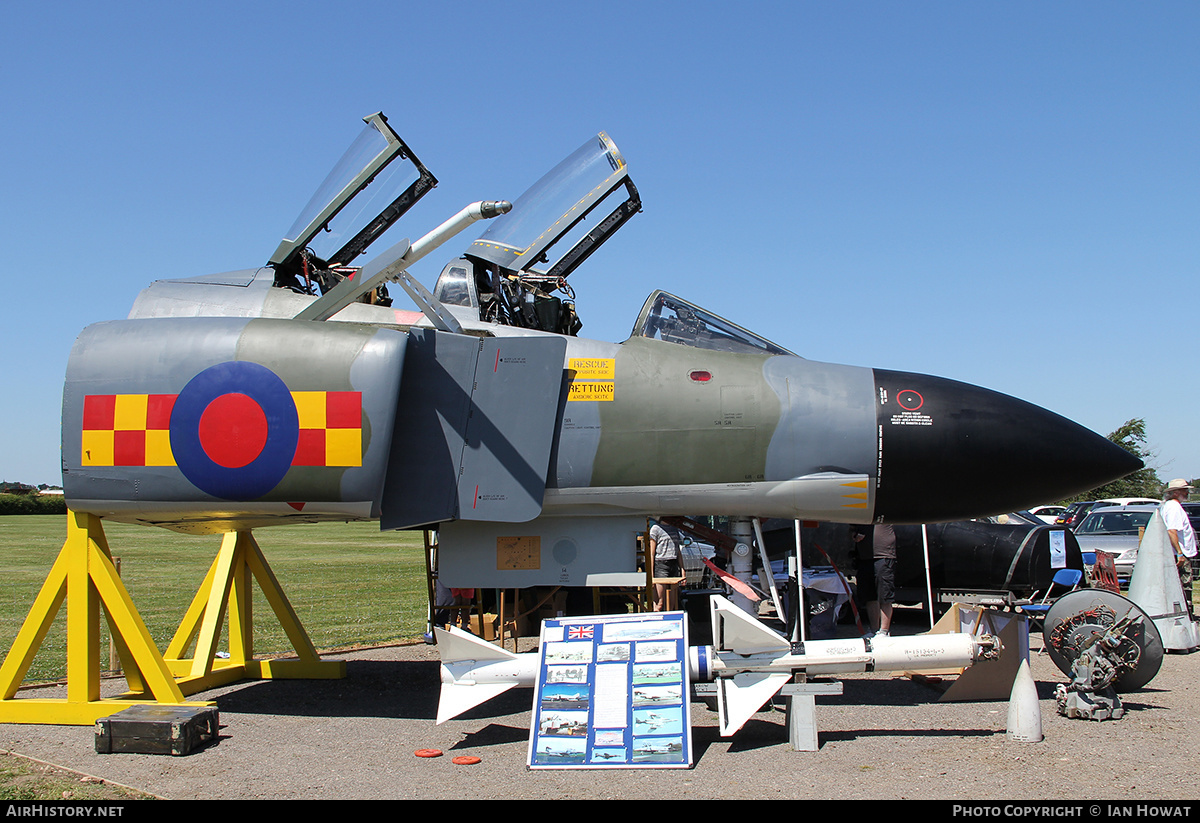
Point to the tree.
(1144, 482)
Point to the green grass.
(349, 583)
(25, 780)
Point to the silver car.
(1116, 530)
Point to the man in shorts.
(664, 544)
(880, 592)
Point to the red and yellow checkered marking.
(330, 428)
(127, 430)
(134, 429)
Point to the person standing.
(665, 541)
(879, 590)
(865, 596)
(884, 544)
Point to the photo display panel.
(613, 692)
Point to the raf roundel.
(234, 430)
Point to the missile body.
(749, 664)
(822, 657)
(474, 671)
(753, 662)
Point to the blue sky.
(1006, 194)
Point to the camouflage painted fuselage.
(209, 409)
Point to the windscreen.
(1126, 523)
(674, 320)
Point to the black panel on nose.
(950, 451)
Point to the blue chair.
(1065, 578)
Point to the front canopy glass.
(674, 320)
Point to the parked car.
(1074, 514)
(1010, 519)
(1084, 508)
(1047, 514)
(1115, 530)
(1193, 513)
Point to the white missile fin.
(736, 631)
(455, 645)
(740, 696)
(456, 698)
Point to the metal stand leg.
(802, 712)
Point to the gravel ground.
(885, 737)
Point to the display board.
(613, 692)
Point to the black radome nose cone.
(951, 451)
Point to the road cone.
(1024, 710)
(1156, 589)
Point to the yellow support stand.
(84, 577)
(226, 588)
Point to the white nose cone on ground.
(1024, 711)
(1156, 589)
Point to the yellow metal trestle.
(227, 588)
(84, 577)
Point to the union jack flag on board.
(580, 632)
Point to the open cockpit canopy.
(364, 194)
(535, 239)
(511, 272)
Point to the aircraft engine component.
(1090, 695)
(1105, 644)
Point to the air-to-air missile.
(297, 392)
(749, 663)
